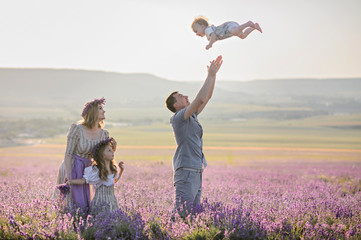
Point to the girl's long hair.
(100, 163)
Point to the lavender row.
(282, 201)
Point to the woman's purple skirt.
(80, 192)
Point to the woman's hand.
(67, 178)
(114, 144)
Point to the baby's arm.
(213, 39)
(121, 166)
(77, 181)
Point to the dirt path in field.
(52, 155)
(248, 148)
(286, 149)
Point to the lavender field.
(247, 194)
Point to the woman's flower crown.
(95, 101)
(100, 144)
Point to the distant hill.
(347, 87)
(61, 87)
(68, 86)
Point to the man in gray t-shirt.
(189, 160)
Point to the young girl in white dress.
(201, 27)
(102, 174)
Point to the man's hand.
(215, 66)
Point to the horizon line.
(151, 74)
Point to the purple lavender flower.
(64, 189)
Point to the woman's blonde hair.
(91, 112)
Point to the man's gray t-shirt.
(188, 135)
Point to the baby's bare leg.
(246, 32)
(242, 31)
(256, 26)
(246, 25)
(238, 31)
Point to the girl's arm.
(121, 166)
(77, 181)
(212, 40)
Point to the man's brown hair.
(169, 102)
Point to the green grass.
(334, 132)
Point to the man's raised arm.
(205, 93)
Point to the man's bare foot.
(256, 26)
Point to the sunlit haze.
(318, 39)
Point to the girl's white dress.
(104, 198)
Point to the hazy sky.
(305, 38)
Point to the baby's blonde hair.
(201, 20)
